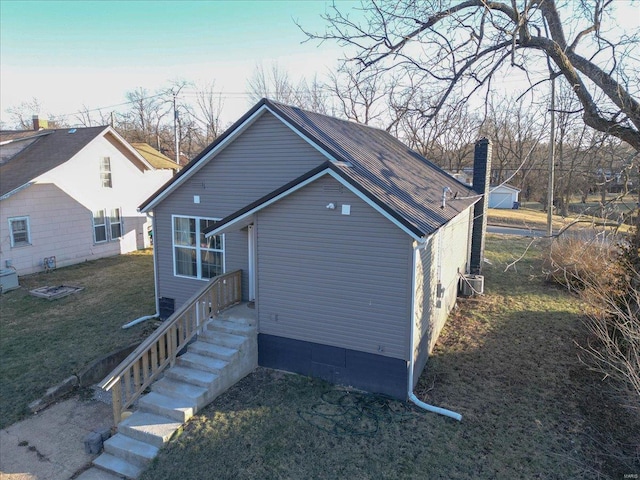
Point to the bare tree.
(273, 83)
(21, 115)
(92, 117)
(276, 84)
(209, 110)
(360, 97)
(469, 41)
(143, 121)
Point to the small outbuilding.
(503, 196)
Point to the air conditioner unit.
(471, 285)
(8, 280)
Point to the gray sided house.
(350, 244)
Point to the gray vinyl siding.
(333, 279)
(440, 261)
(264, 157)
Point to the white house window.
(20, 233)
(99, 226)
(105, 172)
(115, 222)
(194, 255)
(106, 228)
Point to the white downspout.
(155, 283)
(410, 394)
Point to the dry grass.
(42, 342)
(506, 361)
(537, 220)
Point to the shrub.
(607, 278)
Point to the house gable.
(266, 156)
(227, 139)
(45, 151)
(343, 279)
(244, 215)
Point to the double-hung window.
(115, 222)
(20, 233)
(105, 172)
(194, 255)
(107, 227)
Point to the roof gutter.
(411, 396)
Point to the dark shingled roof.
(50, 149)
(398, 179)
(386, 168)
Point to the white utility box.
(8, 280)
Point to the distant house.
(503, 196)
(158, 160)
(350, 244)
(70, 195)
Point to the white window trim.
(107, 225)
(21, 244)
(197, 248)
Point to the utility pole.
(552, 148)
(175, 127)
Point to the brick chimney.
(39, 124)
(481, 178)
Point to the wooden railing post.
(116, 400)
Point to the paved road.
(521, 232)
(584, 234)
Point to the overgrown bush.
(575, 263)
(607, 277)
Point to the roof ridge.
(346, 120)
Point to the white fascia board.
(22, 139)
(203, 161)
(16, 190)
(129, 147)
(306, 182)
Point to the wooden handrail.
(143, 366)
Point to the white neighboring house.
(503, 196)
(71, 195)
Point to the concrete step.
(192, 375)
(239, 314)
(202, 347)
(171, 388)
(95, 473)
(226, 326)
(178, 409)
(149, 428)
(225, 339)
(202, 362)
(118, 466)
(129, 449)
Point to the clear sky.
(70, 54)
(75, 54)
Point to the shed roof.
(154, 157)
(388, 173)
